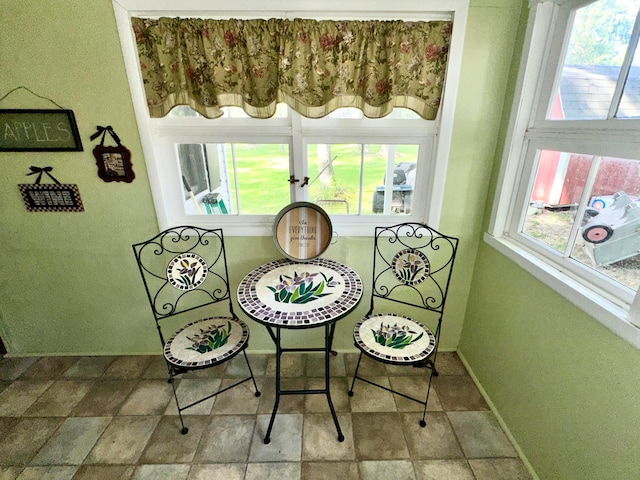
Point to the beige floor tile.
(72, 441)
(448, 363)
(435, 440)
(238, 400)
(20, 443)
(89, 367)
(368, 367)
(329, 470)
(458, 393)
(226, 439)
(480, 435)
(316, 367)
(20, 395)
(148, 397)
(49, 368)
(48, 473)
(218, 471)
(11, 368)
(123, 441)
(167, 443)
(379, 436)
(499, 469)
(443, 470)
(317, 402)
(320, 438)
(291, 365)
(104, 472)
(127, 367)
(286, 439)
(369, 398)
(11, 473)
(416, 387)
(192, 390)
(396, 469)
(288, 403)
(104, 398)
(60, 398)
(273, 471)
(237, 366)
(154, 472)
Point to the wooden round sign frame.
(302, 231)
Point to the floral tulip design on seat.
(301, 288)
(395, 336)
(210, 338)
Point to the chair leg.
(184, 430)
(355, 375)
(423, 422)
(257, 394)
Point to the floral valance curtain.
(313, 66)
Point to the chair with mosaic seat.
(412, 267)
(184, 271)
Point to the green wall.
(69, 284)
(563, 383)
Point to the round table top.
(284, 293)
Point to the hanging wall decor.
(38, 130)
(114, 163)
(57, 197)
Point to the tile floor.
(115, 418)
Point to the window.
(237, 172)
(568, 205)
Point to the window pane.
(557, 190)
(609, 239)
(194, 169)
(258, 177)
(235, 178)
(351, 178)
(597, 45)
(630, 101)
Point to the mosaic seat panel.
(394, 339)
(206, 342)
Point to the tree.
(601, 33)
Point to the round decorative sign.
(187, 271)
(410, 266)
(302, 231)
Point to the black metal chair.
(185, 269)
(412, 265)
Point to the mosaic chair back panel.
(184, 268)
(412, 265)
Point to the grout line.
(501, 421)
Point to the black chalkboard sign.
(38, 131)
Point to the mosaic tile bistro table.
(285, 294)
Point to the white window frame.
(529, 131)
(153, 131)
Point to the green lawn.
(263, 173)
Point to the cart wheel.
(597, 233)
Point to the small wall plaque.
(39, 131)
(58, 197)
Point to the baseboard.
(501, 421)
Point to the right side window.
(570, 194)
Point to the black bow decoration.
(40, 171)
(103, 131)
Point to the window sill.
(602, 309)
